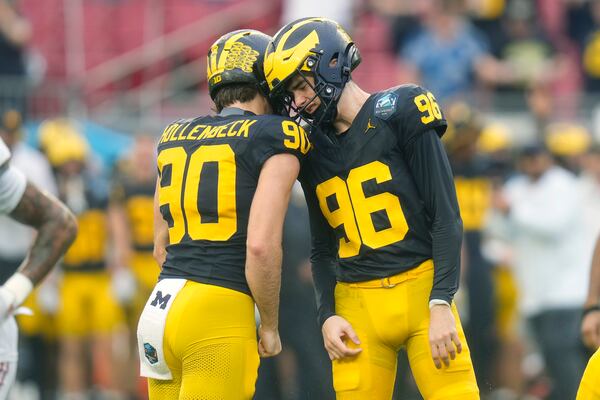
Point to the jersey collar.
(228, 111)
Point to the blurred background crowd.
(519, 81)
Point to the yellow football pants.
(209, 345)
(385, 319)
(589, 389)
(145, 270)
(88, 305)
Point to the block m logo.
(160, 301)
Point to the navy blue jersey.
(381, 193)
(208, 173)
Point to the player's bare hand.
(590, 330)
(269, 343)
(443, 336)
(336, 333)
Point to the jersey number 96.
(355, 209)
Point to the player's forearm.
(263, 273)
(56, 229)
(433, 178)
(120, 234)
(161, 230)
(322, 258)
(446, 245)
(324, 284)
(593, 297)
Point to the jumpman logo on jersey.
(370, 126)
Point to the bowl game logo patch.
(386, 105)
(150, 353)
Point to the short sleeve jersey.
(208, 174)
(360, 192)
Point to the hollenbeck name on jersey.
(189, 131)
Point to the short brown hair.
(229, 94)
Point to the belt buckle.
(385, 283)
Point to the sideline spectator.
(541, 209)
(449, 52)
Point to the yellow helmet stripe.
(213, 66)
(286, 35)
(286, 63)
(226, 47)
(212, 61)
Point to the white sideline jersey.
(12, 187)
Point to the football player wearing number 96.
(386, 228)
(221, 195)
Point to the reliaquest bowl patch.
(386, 105)
(150, 353)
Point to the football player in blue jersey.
(386, 228)
(221, 196)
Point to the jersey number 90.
(181, 193)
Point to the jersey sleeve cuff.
(324, 316)
(438, 302)
(440, 298)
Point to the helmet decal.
(237, 58)
(316, 46)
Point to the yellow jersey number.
(296, 137)
(139, 210)
(427, 104)
(180, 162)
(90, 244)
(355, 209)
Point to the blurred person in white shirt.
(15, 238)
(541, 212)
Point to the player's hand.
(336, 330)
(443, 336)
(269, 343)
(7, 303)
(590, 330)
